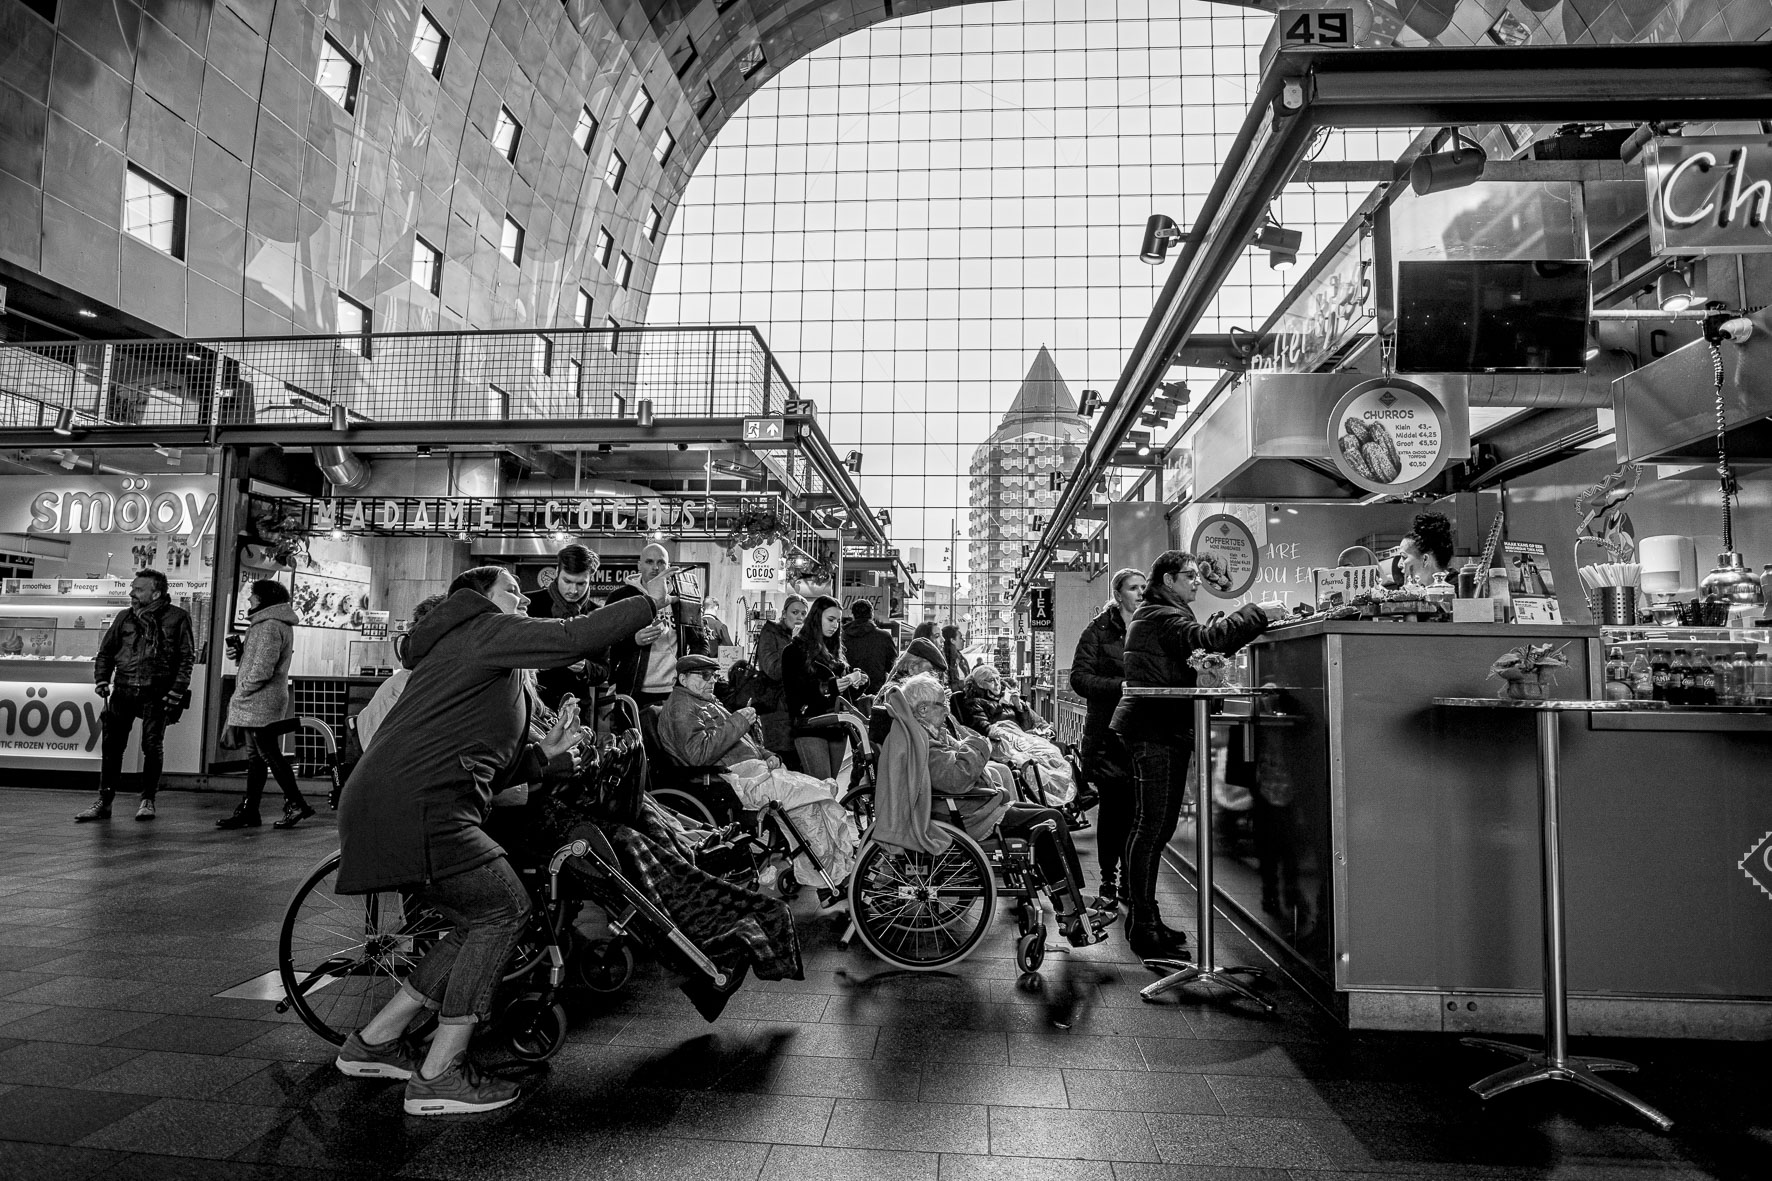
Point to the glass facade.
(935, 223)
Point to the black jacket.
(551, 684)
(149, 647)
(1098, 669)
(1158, 645)
(414, 809)
(870, 648)
(981, 711)
(810, 679)
(626, 659)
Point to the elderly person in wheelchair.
(697, 731)
(962, 774)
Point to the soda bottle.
(1617, 687)
(1762, 679)
(1703, 689)
(1660, 675)
(1679, 679)
(1724, 668)
(1741, 683)
(1642, 677)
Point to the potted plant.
(1528, 671)
(1212, 670)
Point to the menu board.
(1232, 546)
(1388, 435)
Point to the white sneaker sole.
(452, 1106)
(371, 1069)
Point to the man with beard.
(567, 597)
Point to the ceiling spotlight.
(341, 418)
(644, 414)
(1280, 243)
(1159, 232)
(852, 461)
(88, 314)
(561, 536)
(337, 534)
(1673, 291)
(1090, 404)
(884, 516)
(1436, 172)
(64, 421)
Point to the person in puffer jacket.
(261, 707)
(1098, 670)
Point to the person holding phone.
(645, 665)
(816, 679)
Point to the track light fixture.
(884, 516)
(1055, 481)
(852, 461)
(341, 418)
(643, 412)
(1090, 404)
(1673, 290)
(1280, 243)
(1436, 172)
(64, 421)
(1159, 232)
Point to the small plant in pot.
(1528, 671)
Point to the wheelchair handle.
(566, 853)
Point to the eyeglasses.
(1193, 574)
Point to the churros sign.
(1388, 435)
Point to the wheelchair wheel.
(918, 911)
(604, 966)
(685, 805)
(787, 884)
(534, 1026)
(342, 958)
(1030, 951)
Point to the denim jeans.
(1162, 783)
(125, 704)
(488, 905)
(265, 756)
(1108, 766)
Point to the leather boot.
(242, 817)
(1149, 939)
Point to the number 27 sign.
(1317, 28)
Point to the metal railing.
(596, 373)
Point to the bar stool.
(1554, 1061)
(1203, 968)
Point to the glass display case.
(1691, 668)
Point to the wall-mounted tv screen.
(1492, 317)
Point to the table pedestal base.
(1182, 972)
(1537, 1066)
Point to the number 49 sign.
(1323, 28)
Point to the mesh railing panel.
(715, 372)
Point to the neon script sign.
(130, 505)
(1710, 195)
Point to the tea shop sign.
(1709, 195)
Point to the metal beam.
(1303, 90)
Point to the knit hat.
(926, 649)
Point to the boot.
(1149, 939)
(244, 816)
(293, 814)
(100, 810)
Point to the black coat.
(870, 648)
(980, 711)
(1158, 645)
(414, 809)
(627, 660)
(150, 647)
(811, 681)
(1098, 669)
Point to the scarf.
(903, 799)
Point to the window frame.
(353, 79)
(615, 170)
(507, 119)
(624, 269)
(605, 247)
(511, 252)
(366, 326)
(435, 258)
(180, 211)
(435, 66)
(586, 118)
(583, 308)
(649, 226)
(664, 146)
(640, 107)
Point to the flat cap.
(698, 664)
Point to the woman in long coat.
(260, 706)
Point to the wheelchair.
(923, 912)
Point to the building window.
(584, 133)
(581, 311)
(624, 269)
(639, 107)
(430, 44)
(613, 340)
(337, 77)
(153, 212)
(751, 60)
(576, 371)
(511, 242)
(617, 169)
(505, 134)
(704, 101)
(355, 321)
(649, 226)
(661, 151)
(542, 355)
(684, 57)
(427, 266)
(605, 246)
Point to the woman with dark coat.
(1098, 670)
(816, 678)
(768, 694)
(959, 668)
(1162, 636)
(260, 706)
(413, 816)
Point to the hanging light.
(852, 461)
(1673, 291)
(1280, 243)
(64, 421)
(644, 414)
(1159, 232)
(1435, 172)
(341, 418)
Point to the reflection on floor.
(120, 1058)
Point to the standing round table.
(1554, 1061)
(1203, 967)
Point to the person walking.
(413, 814)
(645, 665)
(142, 670)
(567, 596)
(1162, 636)
(261, 707)
(869, 646)
(1098, 671)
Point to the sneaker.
(293, 814)
(99, 811)
(1107, 899)
(460, 1089)
(145, 810)
(359, 1059)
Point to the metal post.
(1204, 955)
(1556, 987)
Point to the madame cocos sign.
(182, 507)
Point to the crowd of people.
(487, 708)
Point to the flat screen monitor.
(1492, 317)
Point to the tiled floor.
(118, 1060)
